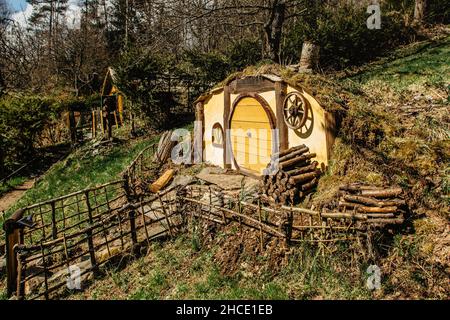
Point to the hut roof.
(109, 81)
(329, 93)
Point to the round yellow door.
(251, 135)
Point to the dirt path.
(8, 199)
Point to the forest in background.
(52, 62)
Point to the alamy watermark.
(374, 20)
(374, 279)
(254, 146)
(73, 281)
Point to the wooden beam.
(226, 127)
(200, 118)
(13, 237)
(253, 84)
(280, 95)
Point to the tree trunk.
(309, 60)
(274, 29)
(420, 10)
(2, 161)
(132, 126)
(73, 127)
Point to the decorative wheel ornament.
(295, 110)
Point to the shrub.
(344, 38)
(22, 119)
(438, 12)
(138, 75)
(244, 53)
(204, 69)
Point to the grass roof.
(328, 91)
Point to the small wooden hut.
(110, 89)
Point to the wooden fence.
(136, 173)
(58, 242)
(292, 224)
(44, 261)
(49, 220)
(43, 240)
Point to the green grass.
(173, 270)
(184, 268)
(83, 169)
(430, 66)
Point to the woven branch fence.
(55, 243)
(292, 224)
(43, 264)
(136, 173)
(44, 239)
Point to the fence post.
(126, 185)
(73, 127)
(94, 125)
(21, 269)
(288, 227)
(166, 215)
(54, 227)
(261, 243)
(132, 216)
(13, 235)
(182, 205)
(89, 234)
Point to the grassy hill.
(396, 132)
(88, 166)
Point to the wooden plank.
(280, 95)
(199, 145)
(226, 127)
(251, 84)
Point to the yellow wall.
(120, 101)
(213, 110)
(316, 138)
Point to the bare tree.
(420, 10)
(4, 20)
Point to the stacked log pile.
(165, 147)
(291, 175)
(384, 205)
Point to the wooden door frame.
(272, 121)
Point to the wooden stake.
(89, 234)
(165, 214)
(54, 227)
(260, 227)
(143, 220)
(94, 125)
(132, 218)
(21, 270)
(115, 119)
(44, 264)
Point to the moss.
(330, 94)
